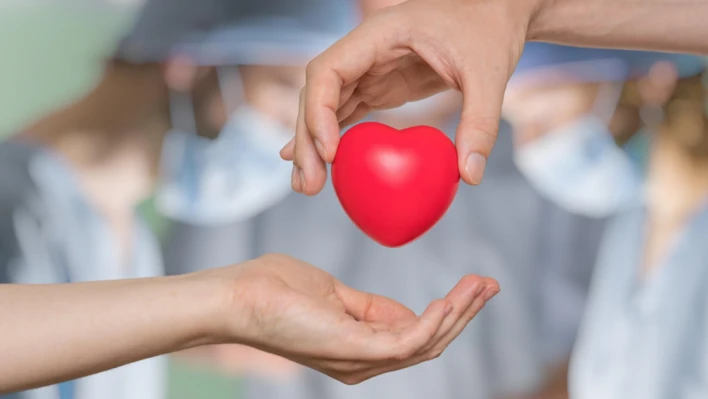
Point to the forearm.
(668, 25)
(52, 333)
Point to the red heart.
(395, 185)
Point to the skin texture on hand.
(302, 313)
(54, 333)
(421, 47)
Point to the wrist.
(541, 15)
(529, 14)
(225, 311)
(202, 300)
(568, 21)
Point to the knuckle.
(374, 95)
(311, 120)
(485, 130)
(313, 67)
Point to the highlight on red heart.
(395, 185)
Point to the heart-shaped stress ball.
(395, 184)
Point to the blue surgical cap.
(228, 32)
(609, 65)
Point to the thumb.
(479, 124)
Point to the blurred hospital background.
(52, 53)
(573, 154)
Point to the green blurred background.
(50, 54)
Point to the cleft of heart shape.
(395, 185)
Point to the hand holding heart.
(406, 53)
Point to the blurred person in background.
(624, 133)
(501, 357)
(70, 185)
(71, 182)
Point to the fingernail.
(320, 149)
(448, 308)
(295, 178)
(303, 183)
(476, 163)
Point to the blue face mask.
(580, 167)
(229, 179)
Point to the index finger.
(343, 63)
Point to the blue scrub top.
(645, 338)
